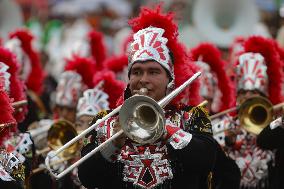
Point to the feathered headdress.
(83, 66)
(182, 70)
(210, 55)
(92, 102)
(114, 88)
(35, 79)
(17, 88)
(266, 48)
(98, 49)
(69, 89)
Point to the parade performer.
(184, 156)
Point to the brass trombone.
(144, 124)
(254, 114)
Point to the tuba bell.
(255, 114)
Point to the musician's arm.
(198, 153)
(272, 136)
(98, 169)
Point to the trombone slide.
(162, 103)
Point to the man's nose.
(144, 78)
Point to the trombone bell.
(142, 119)
(255, 114)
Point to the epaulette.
(199, 120)
(99, 115)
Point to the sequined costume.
(184, 160)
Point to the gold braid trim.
(100, 115)
(197, 110)
(200, 120)
(19, 174)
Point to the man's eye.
(154, 72)
(135, 72)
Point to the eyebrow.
(151, 68)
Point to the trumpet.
(143, 123)
(254, 114)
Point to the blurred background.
(217, 21)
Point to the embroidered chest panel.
(146, 166)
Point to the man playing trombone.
(258, 79)
(184, 155)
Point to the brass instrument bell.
(59, 134)
(255, 114)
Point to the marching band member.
(16, 149)
(185, 155)
(78, 76)
(257, 74)
(68, 92)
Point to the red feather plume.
(183, 68)
(116, 63)
(98, 49)
(212, 56)
(114, 88)
(6, 115)
(266, 48)
(35, 79)
(83, 66)
(17, 87)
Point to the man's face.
(82, 122)
(150, 75)
(66, 113)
